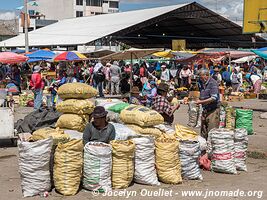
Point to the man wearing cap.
(162, 105)
(37, 85)
(210, 101)
(99, 130)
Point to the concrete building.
(64, 9)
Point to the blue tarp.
(40, 55)
(262, 52)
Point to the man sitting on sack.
(210, 101)
(99, 130)
(162, 105)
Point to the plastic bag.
(222, 117)
(167, 160)
(34, 160)
(97, 166)
(117, 108)
(68, 166)
(241, 147)
(141, 116)
(185, 133)
(76, 106)
(72, 122)
(145, 171)
(189, 155)
(244, 119)
(146, 131)
(74, 134)
(122, 163)
(76, 91)
(107, 103)
(222, 151)
(123, 132)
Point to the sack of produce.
(141, 116)
(74, 134)
(117, 108)
(123, 132)
(167, 160)
(57, 135)
(107, 103)
(76, 91)
(165, 128)
(185, 133)
(76, 106)
(230, 118)
(122, 163)
(72, 122)
(97, 166)
(146, 130)
(244, 119)
(222, 117)
(145, 171)
(222, 150)
(68, 164)
(113, 117)
(193, 112)
(189, 155)
(34, 160)
(241, 147)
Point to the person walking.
(185, 76)
(99, 78)
(37, 86)
(115, 74)
(165, 74)
(236, 79)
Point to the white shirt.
(165, 75)
(254, 78)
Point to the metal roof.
(149, 28)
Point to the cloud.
(232, 9)
(8, 15)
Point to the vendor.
(209, 99)
(162, 105)
(151, 94)
(99, 130)
(135, 97)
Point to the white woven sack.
(34, 160)
(123, 132)
(97, 166)
(145, 171)
(241, 147)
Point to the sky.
(232, 9)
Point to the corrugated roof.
(87, 29)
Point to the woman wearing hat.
(135, 96)
(99, 130)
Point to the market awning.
(40, 55)
(244, 59)
(12, 58)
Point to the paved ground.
(253, 180)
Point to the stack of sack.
(76, 106)
(142, 120)
(228, 150)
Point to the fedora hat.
(163, 87)
(99, 112)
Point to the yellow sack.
(68, 164)
(146, 131)
(230, 117)
(122, 163)
(72, 122)
(76, 91)
(76, 106)
(185, 133)
(141, 116)
(58, 135)
(167, 160)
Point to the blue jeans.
(38, 98)
(99, 86)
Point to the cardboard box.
(250, 96)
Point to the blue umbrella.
(41, 55)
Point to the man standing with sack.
(210, 101)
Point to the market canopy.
(130, 54)
(244, 59)
(12, 58)
(70, 56)
(40, 55)
(262, 52)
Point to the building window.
(114, 4)
(79, 14)
(97, 3)
(79, 2)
